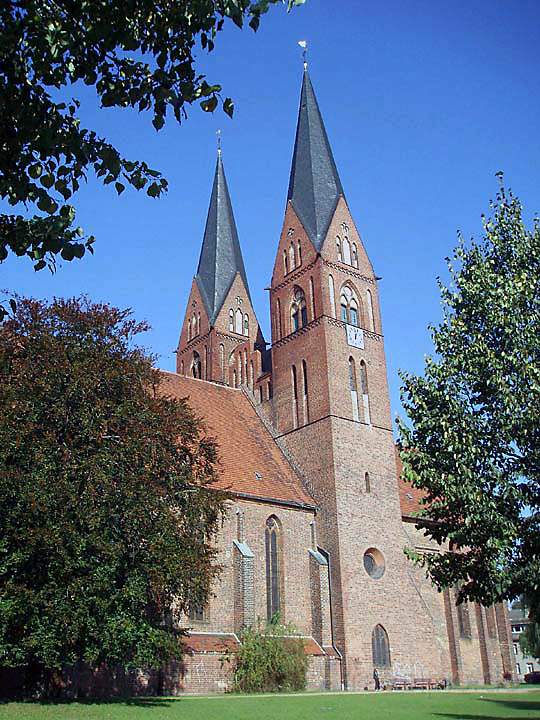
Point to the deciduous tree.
(108, 513)
(473, 440)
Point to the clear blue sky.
(423, 102)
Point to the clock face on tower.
(355, 336)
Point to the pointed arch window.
(305, 400)
(298, 310)
(231, 320)
(285, 263)
(189, 329)
(332, 294)
(299, 252)
(240, 372)
(278, 319)
(365, 392)
(274, 554)
(292, 258)
(294, 396)
(350, 306)
(246, 325)
(353, 389)
(238, 320)
(371, 317)
(338, 249)
(222, 362)
(246, 380)
(354, 255)
(235, 379)
(196, 368)
(346, 250)
(198, 323)
(380, 647)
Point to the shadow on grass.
(524, 706)
(147, 702)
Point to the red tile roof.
(210, 642)
(409, 497)
(251, 462)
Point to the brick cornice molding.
(318, 321)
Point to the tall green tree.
(472, 442)
(108, 511)
(135, 53)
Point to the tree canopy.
(473, 440)
(136, 53)
(108, 511)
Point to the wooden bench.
(424, 683)
(401, 683)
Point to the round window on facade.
(374, 563)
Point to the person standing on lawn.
(376, 679)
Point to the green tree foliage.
(271, 658)
(107, 512)
(530, 638)
(135, 53)
(473, 443)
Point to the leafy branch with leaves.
(137, 54)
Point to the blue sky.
(423, 103)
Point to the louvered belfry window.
(273, 567)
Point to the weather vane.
(303, 45)
(218, 136)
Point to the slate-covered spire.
(314, 186)
(221, 257)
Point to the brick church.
(319, 517)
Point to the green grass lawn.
(383, 706)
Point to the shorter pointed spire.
(314, 186)
(221, 257)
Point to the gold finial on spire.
(218, 136)
(303, 45)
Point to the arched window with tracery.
(298, 310)
(274, 555)
(305, 399)
(246, 325)
(365, 392)
(380, 647)
(371, 317)
(222, 362)
(238, 321)
(350, 306)
(353, 388)
(294, 396)
(196, 368)
(231, 320)
(332, 295)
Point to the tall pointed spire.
(314, 185)
(221, 257)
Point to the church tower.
(332, 413)
(220, 339)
